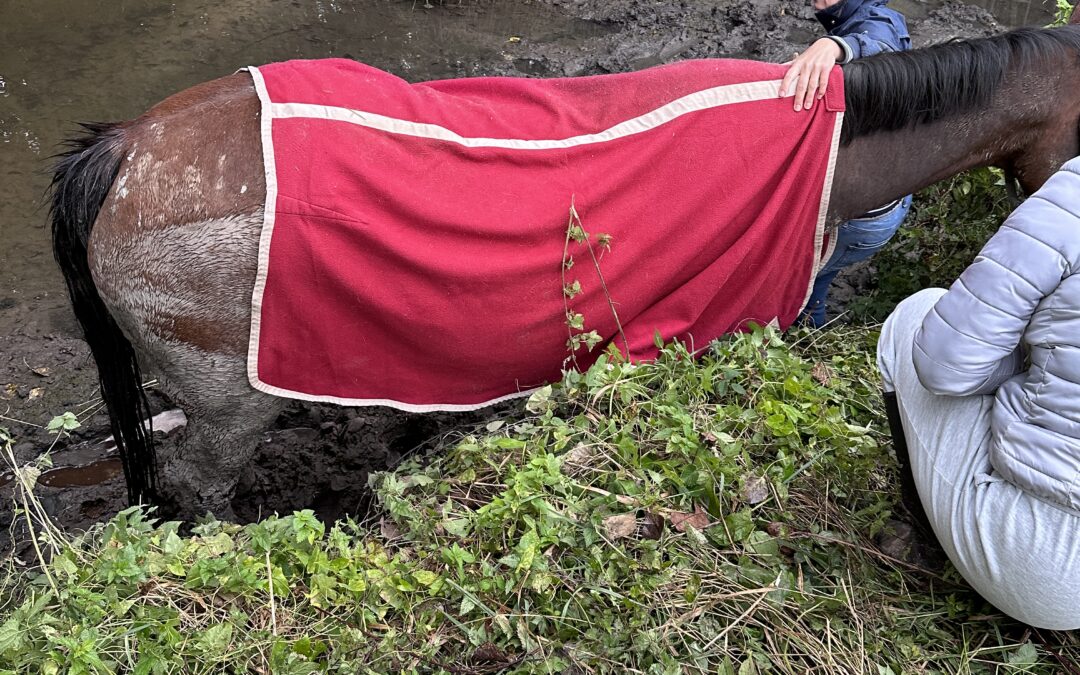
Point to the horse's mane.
(901, 89)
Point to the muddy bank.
(314, 456)
(649, 33)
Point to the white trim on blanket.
(265, 131)
(399, 405)
(697, 101)
(822, 257)
(700, 100)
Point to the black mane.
(901, 89)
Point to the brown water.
(80, 475)
(100, 60)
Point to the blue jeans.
(856, 240)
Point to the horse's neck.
(1022, 129)
(876, 169)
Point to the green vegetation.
(723, 514)
(715, 515)
(1063, 10)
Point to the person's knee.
(915, 307)
(901, 326)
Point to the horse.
(161, 270)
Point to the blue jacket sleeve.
(884, 39)
(865, 27)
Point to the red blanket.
(415, 247)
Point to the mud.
(106, 61)
(315, 457)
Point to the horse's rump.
(414, 235)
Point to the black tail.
(81, 180)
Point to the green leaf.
(527, 548)
(539, 399)
(220, 544)
(1026, 655)
(739, 525)
(65, 422)
(66, 565)
(748, 667)
(172, 544)
(11, 636)
(459, 527)
(592, 338)
(176, 568)
(216, 639)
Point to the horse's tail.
(82, 176)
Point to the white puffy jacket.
(1011, 324)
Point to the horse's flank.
(173, 255)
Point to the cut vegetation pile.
(729, 514)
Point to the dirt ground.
(319, 456)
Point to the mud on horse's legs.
(224, 427)
(192, 333)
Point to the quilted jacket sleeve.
(969, 343)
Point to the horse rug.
(445, 245)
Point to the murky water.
(100, 60)
(80, 475)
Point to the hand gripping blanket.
(419, 249)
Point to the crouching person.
(982, 383)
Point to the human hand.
(809, 72)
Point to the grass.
(716, 515)
(712, 515)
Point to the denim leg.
(856, 240)
(814, 312)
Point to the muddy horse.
(161, 270)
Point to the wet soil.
(98, 60)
